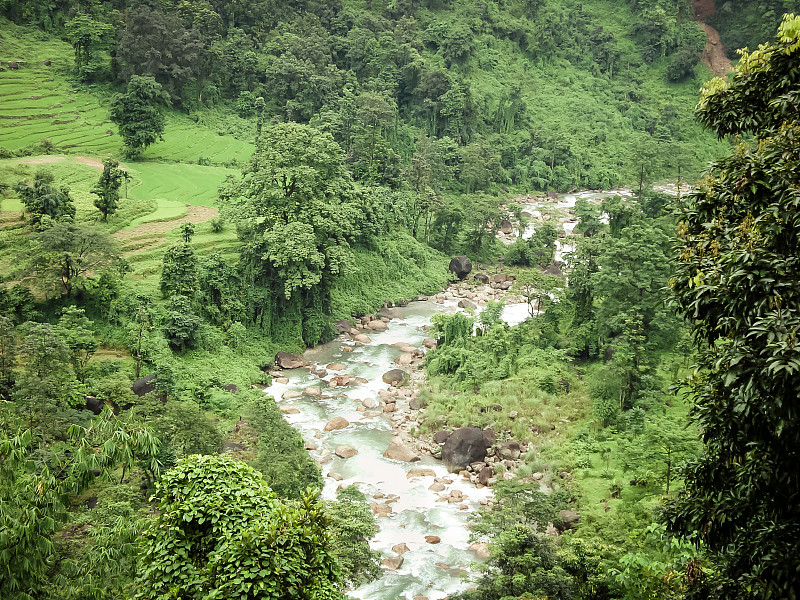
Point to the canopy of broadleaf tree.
(222, 533)
(298, 212)
(737, 283)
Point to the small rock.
(369, 403)
(537, 476)
(291, 394)
(377, 326)
(311, 446)
(345, 451)
(429, 343)
(314, 390)
(336, 423)
(393, 562)
(400, 548)
(433, 539)
(420, 472)
(282, 380)
(436, 487)
(363, 338)
(290, 410)
(481, 550)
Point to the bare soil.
(714, 55)
(92, 162)
(196, 214)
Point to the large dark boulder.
(464, 446)
(94, 404)
(290, 361)
(481, 278)
(461, 266)
(342, 326)
(394, 377)
(143, 386)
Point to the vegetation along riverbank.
(427, 299)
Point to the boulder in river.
(377, 326)
(342, 326)
(369, 403)
(400, 548)
(290, 361)
(345, 451)
(429, 343)
(467, 304)
(464, 446)
(509, 451)
(393, 562)
(399, 451)
(440, 437)
(420, 472)
(506, 226)
(336, 423)
(460, 266)
(336, 367)
(395, 377)
(433, 539)
(363, 338)
(481, 550)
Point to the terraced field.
(41, 102)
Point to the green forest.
(245, 244)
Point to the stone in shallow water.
(393, 562)
(345, 451)
(400, 548)
(336, 423)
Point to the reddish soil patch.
(714, 55)
(196, 214)
(92, 162)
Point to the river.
(428, 570)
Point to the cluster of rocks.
(478, 292)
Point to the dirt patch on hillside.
(714, 55)
(42, 160)
(195, 215)
(92, 162)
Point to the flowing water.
(430, 570)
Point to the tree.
(107, 188)
(43, 198)
(182, 324)
(179, 271)
(352, 525)
(736, 284)
(221, 532)
(44, 383)
(67, 253)
(8, 356)
(138, 115)
(87, 36)
(76, 331)
(298, 213)
(35, 497)
(155, 45)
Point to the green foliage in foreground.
(222, 533)
(36, 491)
(736, 283)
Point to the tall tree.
(736, 283)
(67, 253)
(107, 188)
(138, 114)
(298, 211)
